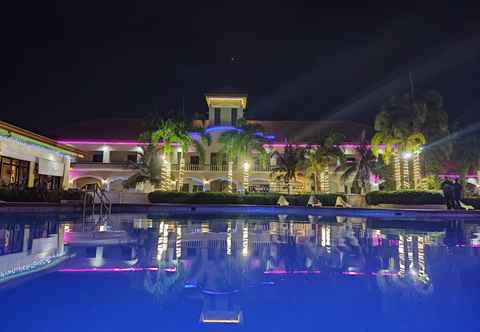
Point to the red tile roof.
(130, 129)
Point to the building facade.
(111, 146)
(29, 160)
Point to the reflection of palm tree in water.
(164, 285)
(352, 251)
(455, 233)
(288, 251)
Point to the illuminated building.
(30, 160)
(111, 145)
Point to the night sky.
(79, 60)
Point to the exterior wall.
(113, 170)
(225, 115)
(29, 152)
(112, 174)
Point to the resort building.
(111, 148)
(29, 160)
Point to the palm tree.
(289, 164)
(362, 169)
(167, 134)
(148, 168)
(399, 131)
(238, 145)
(188, 139)
(318, 159)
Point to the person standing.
(457, 194)
(447, 188)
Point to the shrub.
(226, 198)
(36, 195)
(407, 197)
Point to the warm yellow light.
(246, 166)
(222, 321)
(226, 101)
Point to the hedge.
(226, 198)
(407, 197)
(35, 195)
(412, 197)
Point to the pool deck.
(191, 209)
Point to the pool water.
(229, 272)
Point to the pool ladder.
(95, 199)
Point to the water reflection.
(209, 252)
(27, 248)
(220, 261)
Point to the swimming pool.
(238, 272)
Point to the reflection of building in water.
(24, 247)
(219, 307)
(410, 258)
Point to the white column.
(66, 170)
(106, 154)
(31, 174)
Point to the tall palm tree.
(289, 165)
(317, 159)
(238, 145)
(167, 134)
(399, 131)
(148, 168)
(362, 169)
(188, 139)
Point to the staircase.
(95, 200)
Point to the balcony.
(262, 168)
(90, 165)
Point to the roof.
(226, 100)
(30, 137)
(103, 129)
(310, 131)
(130, 129)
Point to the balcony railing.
(218, 167)
(100, 165)
(262, 168)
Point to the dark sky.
(76, 60)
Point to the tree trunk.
(230, 177)
(166, 173)
(245, 178)
(315, 183)
(397, 171)
(181, 172)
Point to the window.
(185, 188)
(11, 238)
(194, 160)
(97, 157)
(132, 157)
(196, 188)
(234, 117)
(13, 172)
(46, 182)
(217, 118)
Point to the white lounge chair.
(466, 206)
(313, 202)
(282, 201)
(340, 202)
